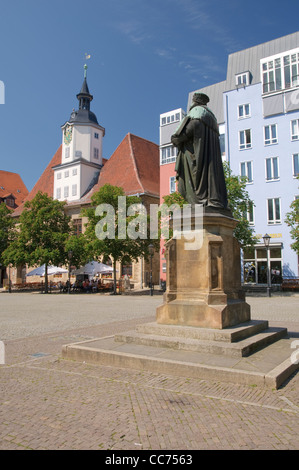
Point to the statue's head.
(200, 98)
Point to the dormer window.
(10, 202)
(243, 79)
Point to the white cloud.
(133, 29)
(198, 14)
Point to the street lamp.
(151, 253)
(70, 255)
(266, 239)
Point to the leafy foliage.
(7, 229)
(292, 220)
(238, 200)
(42, 233)
(115, 219)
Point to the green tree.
(43, 229)
(77, 246)
(117, 227)
(7, 229)
(292, 220)
(238, 201)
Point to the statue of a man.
(199, 166)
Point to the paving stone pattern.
(47, 403)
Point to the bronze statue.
(199, 166)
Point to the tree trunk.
(46, 278)
(114, 276)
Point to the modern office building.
(257, 108)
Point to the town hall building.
(78, 170)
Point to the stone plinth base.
(200, 314)
(251, 353)
(204, 275)
(239, 341)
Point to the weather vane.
(86, 57)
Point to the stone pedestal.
(203, 329)
(204, 275)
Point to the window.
(74, 190)
(274, 211)
(172, 185)
(222, 144)
(9, 201)
(168, 154)
(242, 78)
(96, 135)
(243, 111)
(296, 164)
(249, 214)
(74, 171)
(245, 139)
(58, 193)
(127, 270)
(66, 174)
(295, 129)
(58, 176)
(280, 72)
(255, 264)
(272, 169)
(246, 171)
(77, 224)
(78, 153)
(66, 191)
(270, 134)
(176, 116)
(67, 152)
(96, 153)
(272, 75)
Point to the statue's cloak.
(199, 165)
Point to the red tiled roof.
(12, 183)
(45, 183)
(134, 166)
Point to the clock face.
(68, 133)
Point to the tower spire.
(84, 96)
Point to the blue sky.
(146, 56)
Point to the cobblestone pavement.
(50, 403)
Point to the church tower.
(82, 139)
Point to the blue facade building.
(257, 108)
(261, 108)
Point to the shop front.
(255, 264)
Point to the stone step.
(241, 348)
(269, 367)
(233, 334)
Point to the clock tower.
(81, 160)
